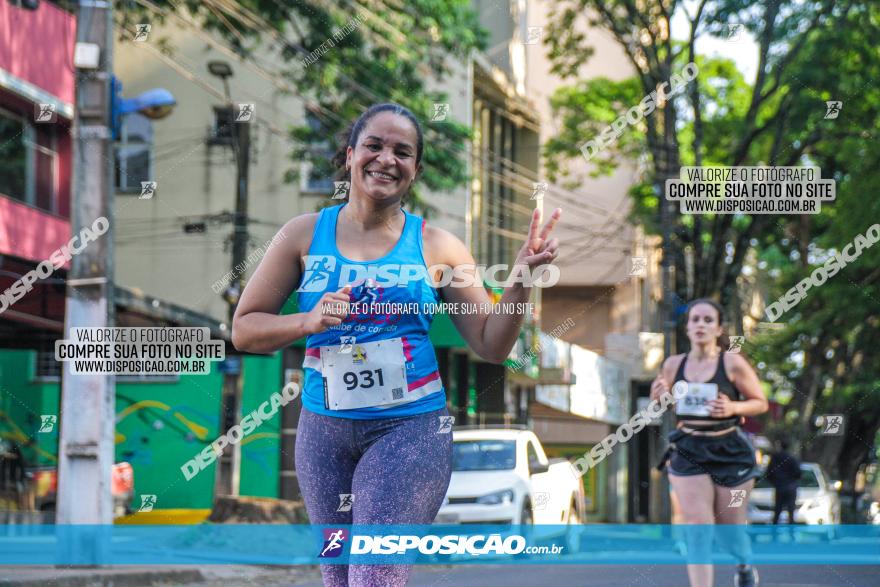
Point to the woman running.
(369, 446)
(711, 463)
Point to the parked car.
(817, 499)
(503, 476)
(45, 482)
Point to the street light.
(154, 104)
(222, 70)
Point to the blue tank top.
(327, 270)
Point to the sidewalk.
(136, 576)
(90, 576)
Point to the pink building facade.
(37, 84)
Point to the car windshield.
(483, 455)
(808, 480)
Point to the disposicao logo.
(334, 542)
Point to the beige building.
(610, 282)
(177, 244)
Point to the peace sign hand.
(537, 250)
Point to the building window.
(28, 161)
(46, 367)
(319, 175)
(134, 153)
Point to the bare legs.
(696, 500)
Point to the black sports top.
(724, 384)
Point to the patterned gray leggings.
(397, 469)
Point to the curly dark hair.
(350, 135)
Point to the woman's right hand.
(658, 387)
(330, 310)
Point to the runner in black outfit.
(784, 473)
(712, 463)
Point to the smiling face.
(383, 161)
(703, 325)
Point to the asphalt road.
(629, 576)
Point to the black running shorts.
(728, 459)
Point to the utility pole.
(241, 144)
(86, 442)
(229, 464)
(668, 168)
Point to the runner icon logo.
(737, 498)
(142, 32)
(47, 423)
(832, 424)
(317, 273)
(542, 498)
(346, 500)
(334, 541)
(147, 503)
(736, 343)
(346, 344)
(340, 190)
(639, 266)
(446, 423)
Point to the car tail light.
(122, 479)
(45, 482)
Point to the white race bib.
(696, 401)
(369, 374)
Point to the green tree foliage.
(366, 52)
(809, 52)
